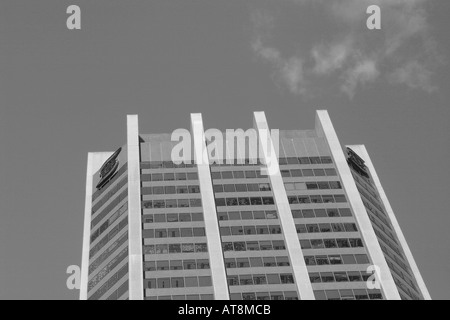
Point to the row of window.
(164, 265)
(297, 173)
(177, 176)
(114, 203)
(276, 295)
(306, 160)
(253, 245)
(249, 187)
(114, 231)
(183, 297)
(331, 243)
(178, 282)
(322, 185)
(175, 248)
(165, 164)
(109, 194)
(170, 190)
(173, 233)
(116, 215)
(253, 201)
(171, 203)
(321, 213)
(257, 262)
(108, 268)
(348, 294)
(172, 217)
(350, 276)
(337, 198)
(110, 283)
(247, 174)
(247, 215)
(336, 259)
(106, 253)
(259, 279)
(326, 227)
(249, 230)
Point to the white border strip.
(216, 260)
(362, 152)
(294, 249)
(136, 273)
(94, 162)
(324, 128)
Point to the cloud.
(414, 75)
(365, 71)
(353, 55)
(287, 71)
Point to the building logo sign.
(108, 170)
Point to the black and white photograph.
(224, 150)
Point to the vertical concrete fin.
(94, 162)
(136, 274)
(301, 275)
(216, 259)
(324, 128)
(362, 152)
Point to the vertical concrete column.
(362, 152)
(284, 211)
(216, 260)
(325, 128)
(94, 163)
(136, 274)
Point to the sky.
(64, 93)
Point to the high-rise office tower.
(317, 228)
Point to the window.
(225, 231)
(185, 217)
(265, 245)
(310, 261)
(325, 227)
(350, 227)
(314, 277)
(330, 243)
(176, 265)
(283, 261)
(312, 228)
(171, 203)
(191, 282)
(286, 278)
(241, 188)
(256, 262)
(234, 215)
(242, 263)
(327, 199)
(317, 244)
(273, 279)
(244, 201)
(151, 283)
(333, 213)
(195, 202)
(354, 276)
(229, 188)
(232, 202)
(201, 247)
(348, 259)
(267, 200)
(259, 215)
(319, 172)
(239, 246)
(245, 280)
(361, 259)
(187, 247)
(345, 212)
(174, 248)
(204, 281)
(163, 283)
(322, 260)
(337, 227)
(255, 201)
(197, 216)
(162, 265)
(236, 231)
(278, 245)
(340, 198)
(259, 279)
(194, 189)
(247, 215)
(192, 176)
(327, 277)
(250, 174)
(305, 244)
(335, 260)
(189, 264)
(340, 277)
(150, 266)
(199, 232)
(161, 233)
(356, 243)
(223, 216)
(303, 199)
(252, 246)
(186, 232)
(218, 188)
(230, 263)
(296, 173)
(238, 174)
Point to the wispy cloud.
(354, 56)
